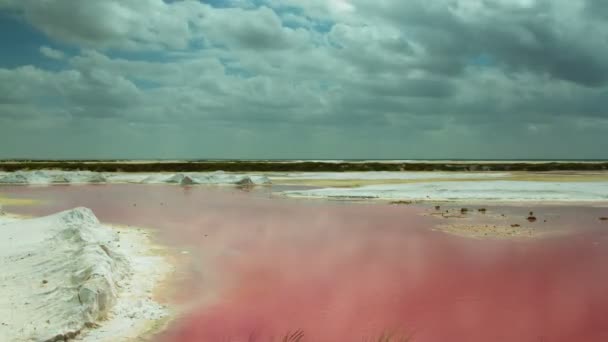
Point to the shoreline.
(153, 275)
(519, 203)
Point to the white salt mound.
(60, 274)
(59, 179)
(182, 179)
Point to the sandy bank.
(68, 276)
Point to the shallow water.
(261, 267)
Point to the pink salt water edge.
(261, 267)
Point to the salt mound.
(97, 178)
(245, 181)
(182, 179)
(220, 177)
(217, 178)
(59, 179)
(60, 274)
(85, 177)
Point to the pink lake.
(259, 268)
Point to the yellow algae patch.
(17, 201)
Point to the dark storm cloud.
(517, 38)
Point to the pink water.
(259, 268)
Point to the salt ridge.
(88, 177)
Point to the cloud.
(495, 72)
(121, 24)
(51, 53)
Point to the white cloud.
(52, 53)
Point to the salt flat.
(499, 190)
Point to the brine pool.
(254, 267)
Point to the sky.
(304, 79)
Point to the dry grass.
(391, 337)
(300, 336)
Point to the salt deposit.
(87, 177)
(64, 273)
(387, 175)
(14, 178)
(476, 190)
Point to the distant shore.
(301, 166)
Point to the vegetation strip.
(270, 166)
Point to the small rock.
(437, 207)
(482, 210)
(515, 225)
(45, 281)
(603, 218)
(531, 219)
(464, 210)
